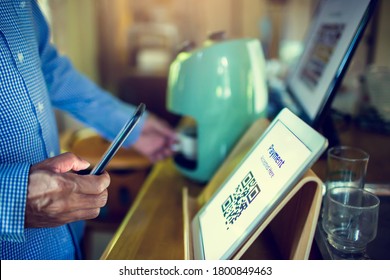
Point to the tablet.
(275, 163)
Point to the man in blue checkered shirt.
(41, 199)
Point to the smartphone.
(119, 139)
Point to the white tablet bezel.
(314, 141)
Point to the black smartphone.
(119, 139)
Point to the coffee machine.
(221, 87)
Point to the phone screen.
(119, 139)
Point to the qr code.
(237, 202)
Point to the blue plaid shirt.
(34, 78)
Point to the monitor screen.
(334, 33)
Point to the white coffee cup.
(187, 142)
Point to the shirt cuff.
(13, 195)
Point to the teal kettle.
(222, 88)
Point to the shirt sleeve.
(74, 93)
(13, 191)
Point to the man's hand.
(57, 196)
(156, 139)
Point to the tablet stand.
(287, 233)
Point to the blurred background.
(126, 46)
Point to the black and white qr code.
(237, 202)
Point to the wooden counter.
(153, 227)
(154, 220)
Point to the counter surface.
(153, 227)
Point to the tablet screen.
(248, 195)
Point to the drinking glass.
(350, 219)
(346, 166)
